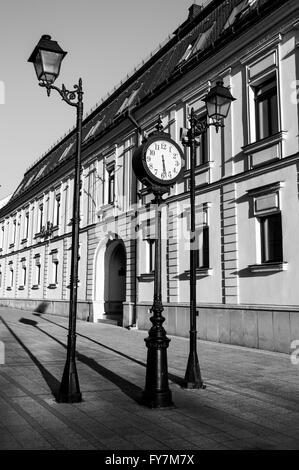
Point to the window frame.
(266, 97)
(204, 252)
(266, 233)
(111, 185)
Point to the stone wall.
(270, 328)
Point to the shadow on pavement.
(174, 378)
(51, 381)
(130, 389)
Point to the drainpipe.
(138, 141)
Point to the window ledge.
(8, 288)
(21, 288)
(11, 245)
(268, 267)
(35, 287)
(200, 168)
(146, 277)
(264, 143)
(52, 286)
(200, 272)
(24, 240)
(106, 210)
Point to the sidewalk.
(251, 400)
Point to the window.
(237, 12)
(54, 268)
(111, 182)
(37, 270)
(66, 151)
(201, 152)
(14, 232)
(37, 274)
(150, 255)
(29, 181)
(23, 272)
(127, 101)
(93, 129)
(197, 45)
(11, 277)
(265, 205)
(187, 52)
(40, 172)
(1, 237)
(55, 276)
(271, 238)
(0, 276)
(57, 210)
(91, 196)
(41, 215)
(266, 109)
(202, 247)
(26, 226)
(200, 242)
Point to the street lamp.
(218, 102)
(47, 57)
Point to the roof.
(4, 201)
(195, 37)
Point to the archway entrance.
(109, 281)
(115, 280)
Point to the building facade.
(247, 207)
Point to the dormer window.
(128, 101)
(197, 44)
(187, 52)
(66, 151)
(237, 12)
(29, 181)
(41, 171)
(93, 129)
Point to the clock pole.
(157, 393)
(154, 170)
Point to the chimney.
(194, 10)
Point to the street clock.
(159, 161)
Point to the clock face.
(163, 160)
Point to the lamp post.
(47, 57)
(218, 102)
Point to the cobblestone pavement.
(251, 400)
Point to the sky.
(105, 40)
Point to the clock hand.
(163, 161)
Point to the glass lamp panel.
(218, 106)
(223, 108)
(51, 62)
(212, 107)
(38, 66)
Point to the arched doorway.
(115, 280)
(109, 281)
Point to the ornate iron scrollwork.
(47, 231)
